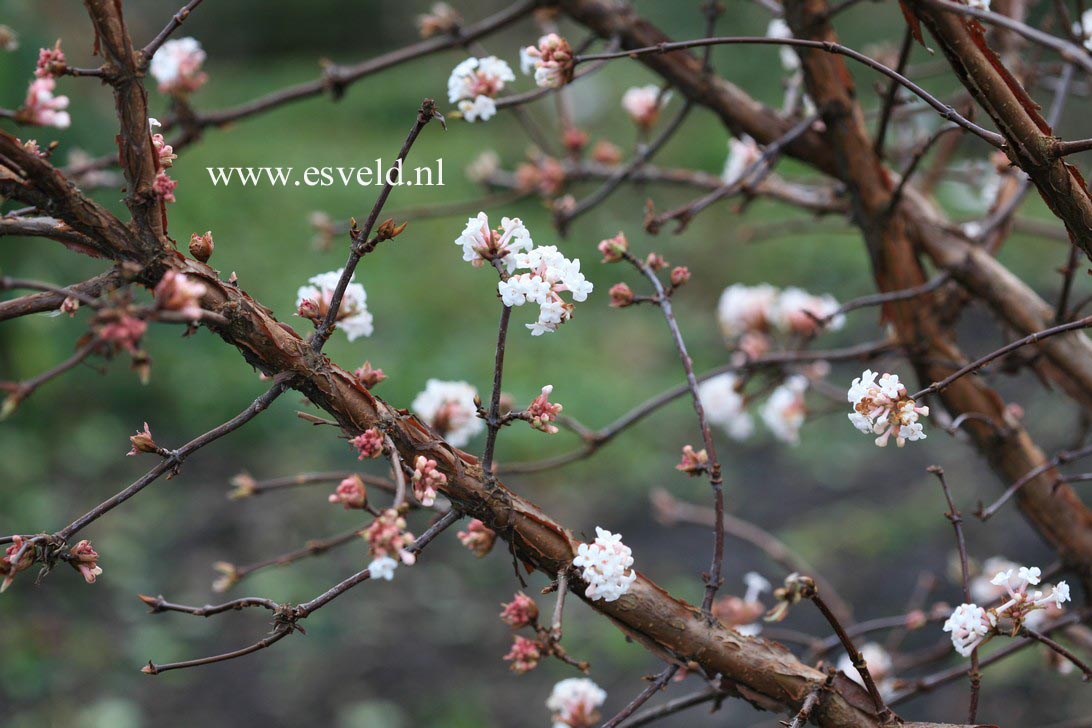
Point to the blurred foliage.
(425, 649)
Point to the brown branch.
(51, 300)
(175, 22)
(174, 458)
(360, 237)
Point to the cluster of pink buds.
(163, 186)
(201, 246)
(621, 295)
(524, 655)
(164, 151)
(971, 625)
(178, 292)
(520, 612)
(143, 442)
(86, 560)
(70, 306)
(369, 444)
(389, 541)
(543, 173)
(481, 243)
(551, 61)
(757, 311)
(42, 108)
(883, 407)
(693, 462)
(350, 493)
(575, 702)
(121, 330)
(613, 249)
(541, 412)
(478, 538)
(426, 480)
(177, 66)
(441, 19)
(369, 376)
(51, 62)
(644, 103)
(606, 153)
(743, 613)
(18, 555)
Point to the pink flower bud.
(693, 463)
(121, 330)
(143, 442)
(70, 306)
(477, 537)
(350, 493)
(17, 557)
(524, 655)
(387, 536)
(679, 275)
(426, 480)
(655, 261)
(606, 153)
(51, 62)
(541, 412)
(86, 560)
(164, 186)
(614, 248)
(620, 295)
(368, 376)
(574, 139)
(178, 292)
(520, 612)
(201, 246)
(369, 443)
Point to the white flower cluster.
(313, 302)
(606, 566)
(448, 407)
(549, 273)
(882, 407)
(643, 103)
(725, 407)
(742, 153)
(474, 84)
(1083, 28)
(575, 703)
(481, 244)
(971, 625)
(785, 410)
(382, 567)
(762, 308)
(176, 66)
(783, 413)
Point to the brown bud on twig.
(201, 246)
(388, 229)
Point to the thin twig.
(654, 687)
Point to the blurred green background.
(425, 649)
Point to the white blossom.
(474, 84)
(643, 103)
(979, 4)
(778, 28)
(575, 703)
(969, 625)
(746, 308)
(742, 153)
(756, 586)
(548, 275)
(313, 302)
(882, 407)
(448, 407)
(606, 566)
(483, 167)
(983, 590)
(724, 406)
(796, 310)
(382, 567)
(177, 65)
(481, 244)
(785, 410)
(1084, 28)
